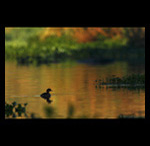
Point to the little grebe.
(46, 95)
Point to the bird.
(47, 95)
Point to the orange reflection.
(72, 84)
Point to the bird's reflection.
(49, 101)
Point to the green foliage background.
(25, 46)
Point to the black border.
(134, 123)
(147, 81)
(2, 74)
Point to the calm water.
(73, 84)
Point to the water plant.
(20, 108)
(13, 109)
(133, 80)
(132, 116)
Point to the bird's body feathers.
(45, 95)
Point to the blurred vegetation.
(129, 81)
(46, 45)
(15, 110)
(71, 111)
(132, 116)
(49, 111)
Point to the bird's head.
(48, 90)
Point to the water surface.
(73, 84)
